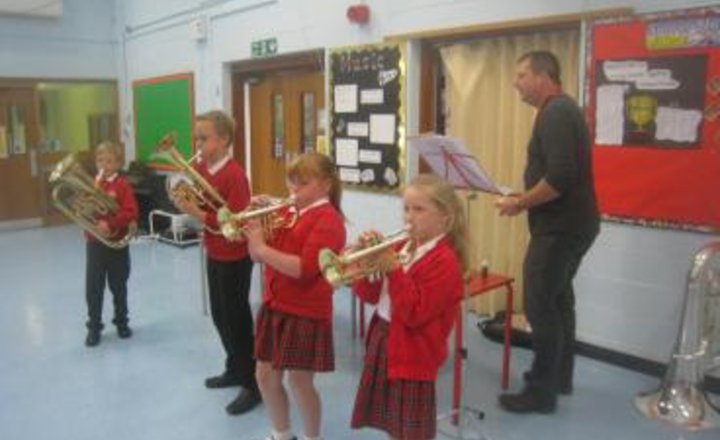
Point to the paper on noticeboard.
(448, 157)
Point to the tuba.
(77, 196)
(188, 184)
(356, 262)
(274, 214)
(680, 398)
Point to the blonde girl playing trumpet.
(416, 307)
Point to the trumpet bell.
(358, 262)
(331, 267)
(274, 214)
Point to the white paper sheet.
(351, 175)
(678, 125)
(372, 96)
(370, 156)
(358, 129)
(346, 98)
(609, 114)
(346, 152)
(382, 129)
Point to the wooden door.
(284, 116)
(19, 169)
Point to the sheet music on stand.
(448, 157)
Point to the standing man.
(563, 219)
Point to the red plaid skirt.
(291, 342)
(405, 409)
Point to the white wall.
(631, 286)
(80, 44)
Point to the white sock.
(285, 435)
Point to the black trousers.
(550, 265)
(104, 263)
(229, 285)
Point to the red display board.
(653, 94)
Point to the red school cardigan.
(310, 295)
(119, 189)
(424, 303)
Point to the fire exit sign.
(264, 48)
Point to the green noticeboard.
(163, 105)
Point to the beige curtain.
(483, 109)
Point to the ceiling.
(33, 8)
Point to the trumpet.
(274, 214)
(188, 184)
(357, 262)
(77, 196)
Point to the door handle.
(33, 162)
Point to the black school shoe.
(224, 380)
(244, 402)
(124, 332)
(527, 402)
(93, 338)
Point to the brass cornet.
(77, 196)
(355, 263)
(274, 214)
(191, 186)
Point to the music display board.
(366, 115)
(163, 105)
(654, 112)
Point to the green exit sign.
(264, 48)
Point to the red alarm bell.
(358, 14)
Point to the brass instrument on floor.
(680, 398)
(188, 184)
(273, 213)
(356, 262)
(77, 196)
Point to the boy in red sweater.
(229, 267)
(294, 328)
(104, 262)
(416, 307)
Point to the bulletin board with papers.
(366, 115)
(653, 94)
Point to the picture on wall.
(654, 102)
(366, 120)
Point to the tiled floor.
(151, 386)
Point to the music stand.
(447, 157)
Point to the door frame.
(246, 71)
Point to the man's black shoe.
(565, 389)
(244, 402)
(224, 380)
(526, 402)
(124, 331)
(93, 338)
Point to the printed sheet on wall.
(366, 118)
(654, 110)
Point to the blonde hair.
(223, 124)
(321, 167)
(107, 147)
(444, 197)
